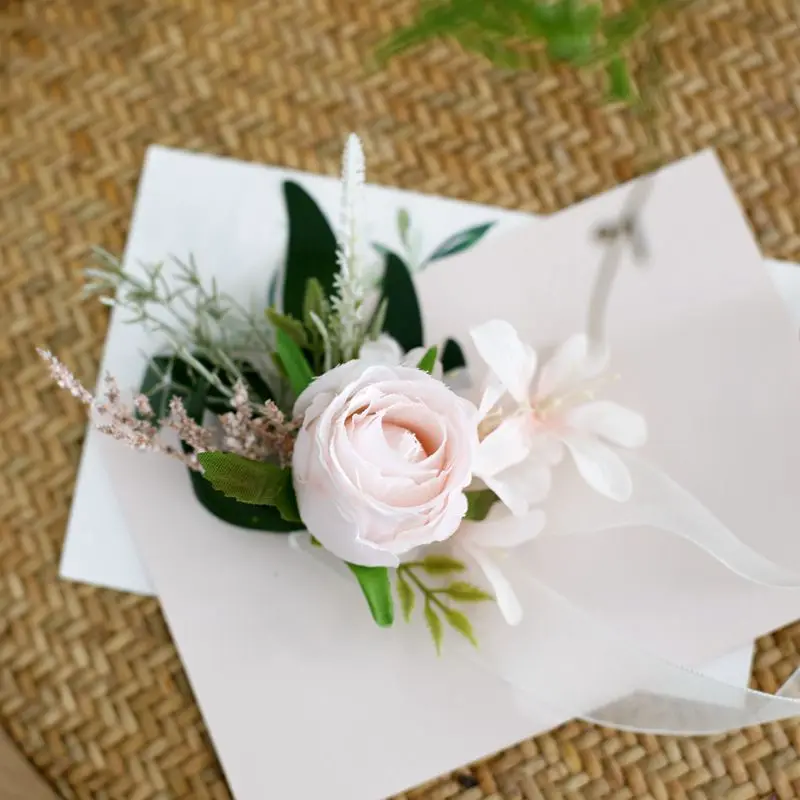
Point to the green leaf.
(290, 326)
(479, 502)
(157, 384)
(460, 241)
(403, 224)
(272, 292)
(314, 302)
(452, 356)
(428, 361)
(378, 321)
(254, 482)
(403, 315)
(286, 502)
(619, 79)
(374, 582)
(460, 622)
(241, 515)
(441, 565)
(406, 595)
(434, 626)
(311, 252)
(466, 592)
(291, 356)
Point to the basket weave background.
(90, 685)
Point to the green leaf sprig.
(437, 599)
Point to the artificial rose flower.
(381, 461)
(527, 423)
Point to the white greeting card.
(278, 649)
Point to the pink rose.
(382, 460)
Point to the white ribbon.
(589, 670)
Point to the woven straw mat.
(91, 688)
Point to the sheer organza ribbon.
(588, 669)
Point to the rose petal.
(609, 420)
(600, 466)
(511, 361)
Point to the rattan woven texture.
(90, 685)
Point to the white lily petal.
(522, 485)
(600, 466)
(506, 445)
(504, 595)
(609, 420)
(492, 393)
(501, 530)
(571, 364)
(508, 357)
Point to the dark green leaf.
(403, 315)
(311, 252)
(297, 369)
(289, 325)
(241, 515)
(460, 241)
(374, 582)
(272, 292)
(441, 565)
(406, 595)
(452, 356)
(466, 592)
(428, 361)
(479, 502)
(254, 482)
(434, 626)
(619, 80)
(381, 249)
(460, 622)
(157, 384)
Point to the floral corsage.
(331, 417)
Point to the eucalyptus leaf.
(434, 626)
(374, 582)
(460, 241)
(311, 252)
(294, 362)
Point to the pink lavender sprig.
(260, 436)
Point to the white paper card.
(277, 668)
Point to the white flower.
(527, 423)
(381, 461)
(386, 351)
(486, 542)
